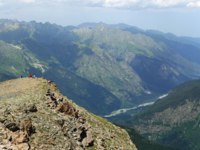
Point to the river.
(124, 110)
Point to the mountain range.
(102, 67)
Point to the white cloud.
(137, 3)
(27, 1)
(194, 4)
(119, 3)
(166, 3)
(17, 1)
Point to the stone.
(27, 127)
(12, 126)
(87, 138)
(2, 119)
(24, 146)
(90, 139)
(33, 108)
(18, 138)
(61, 122)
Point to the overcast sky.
(181, 17)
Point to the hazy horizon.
(180, 17)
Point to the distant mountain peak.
(91, 24)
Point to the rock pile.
(77, 128)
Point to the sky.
(181, 17)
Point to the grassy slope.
(12, 61)
(7, 51)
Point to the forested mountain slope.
(173, 120)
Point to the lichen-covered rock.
(36, 116)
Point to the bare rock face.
(36, 116)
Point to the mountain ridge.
(32, 108)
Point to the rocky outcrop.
(36, 116)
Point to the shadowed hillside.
(173, 120)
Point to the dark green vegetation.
(188, 91)
(144, 144)
(102, 67)
(173, 120)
